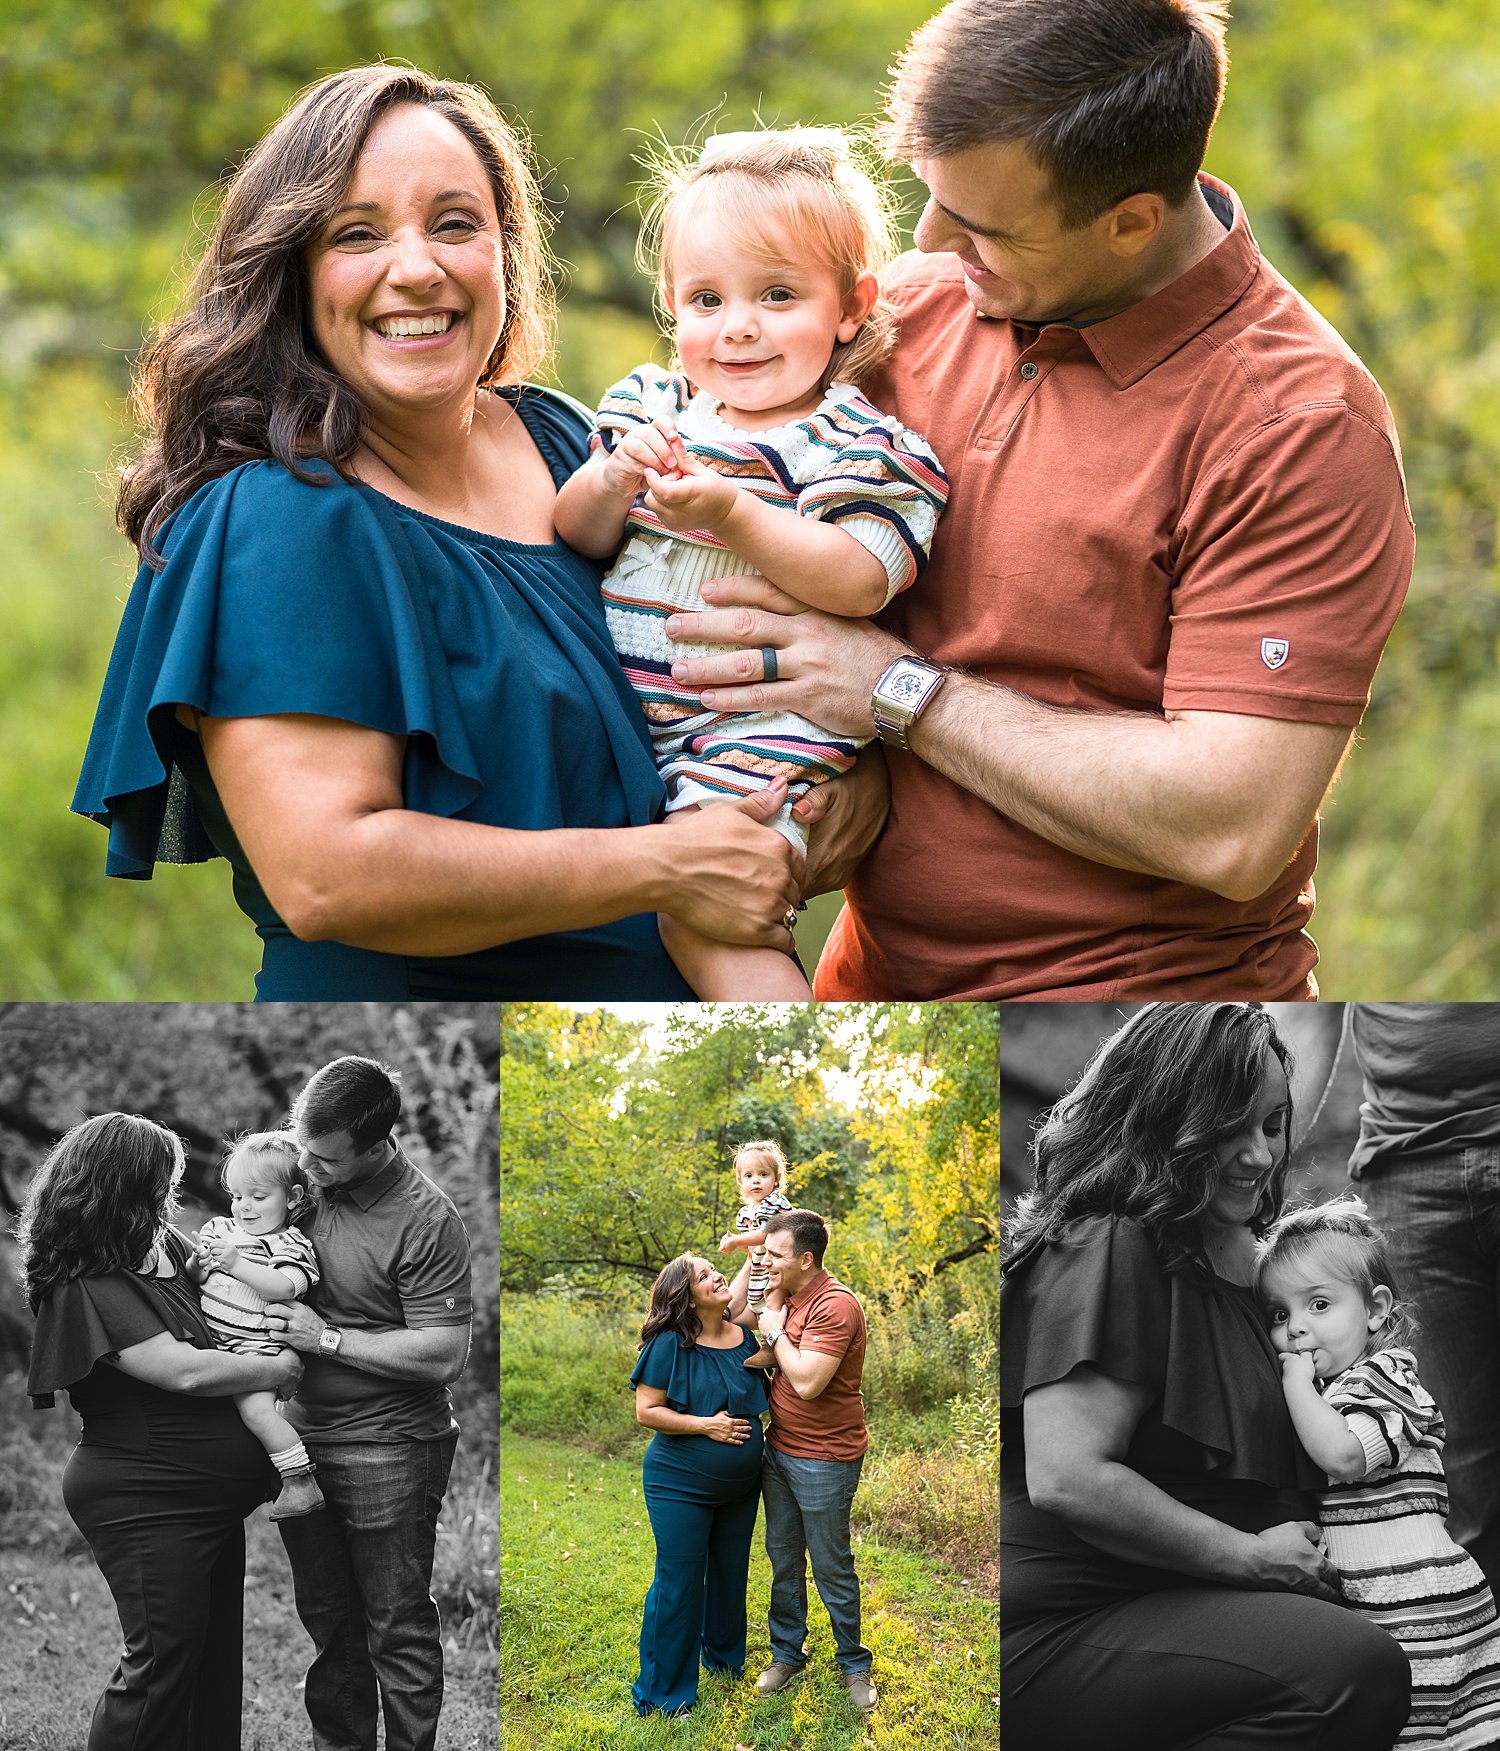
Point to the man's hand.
(826, 668)
(772, 1324)
(302, 1326)
(844, 817)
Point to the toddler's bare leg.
(260, 1416)
(730, 973)
(299, 1488)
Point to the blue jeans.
(1442, 1213)
(362, 1573)
(807, 1515)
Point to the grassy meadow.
(576, 1552)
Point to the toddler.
(758, 454)
(760, 1174)
(1341, 1328)
(250, 1258)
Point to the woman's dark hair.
(1109, 97)
(237, 377)
(1137, 1135)
(97, 1202)
(357, 1095)
(671, 1307)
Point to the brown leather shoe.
(299, 1495)
(776, 1678)
(862, 1693)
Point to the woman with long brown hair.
(1161, 1580)
(701, 1481)
(356, 661)
(165, 1472)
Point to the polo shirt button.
(1028, 371)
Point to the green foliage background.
(1361, 137)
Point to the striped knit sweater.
(845, 463)
(1397, 1564)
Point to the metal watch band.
(892, 718)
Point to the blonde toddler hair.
(765, 187)
(275, 1153)
(771, 1151)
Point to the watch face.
(905, 686)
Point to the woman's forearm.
(670, 1422)
(1118, 1511)
(175, 1366)
(317, 807)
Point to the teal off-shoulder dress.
(490, 657)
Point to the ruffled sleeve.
(1100, 1298)
(1386, 1406)
(84, 1320)
(663, 1364)
(881, 483)
(646, 394)
(701, 1382)
(278, 595)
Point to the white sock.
(291, 1459)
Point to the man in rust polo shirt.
(814, 1450)
(1176, 541)
(385, 1331)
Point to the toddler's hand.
(1298, 1365)
(692, 496)
(727, 1243)
(640, 452)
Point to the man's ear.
(1135, 223)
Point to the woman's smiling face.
(406, 284)
(710, 1289)
(1244, 1162)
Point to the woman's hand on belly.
(733, 1431)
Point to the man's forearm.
(1183, 796)
(1219, 800)
(432, 1355)
(800, 1370)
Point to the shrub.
(564, 1370)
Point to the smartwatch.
(329, 1340)
(901, 695)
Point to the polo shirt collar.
(806, 1291)
(1129, 345)
(369, 1191)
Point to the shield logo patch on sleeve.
(1273, 652)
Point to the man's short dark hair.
(1110, 97)
(807, 1228)
(357, 1095)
